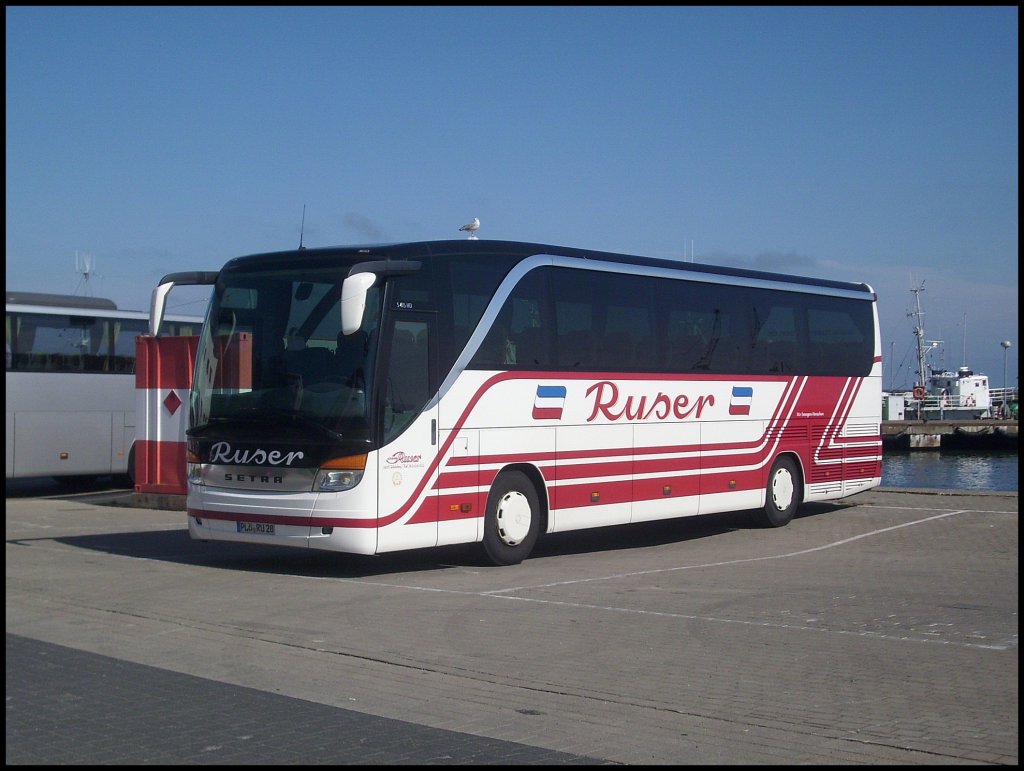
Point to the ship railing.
(1002, 395)
(1004, 402)
(943, 406)
(948, 402)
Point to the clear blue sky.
(870, 144)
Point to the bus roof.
(60, 300)
(98, 307)
(311, 257)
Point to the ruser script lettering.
(221, 452)
(607, 402)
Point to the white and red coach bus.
(377, 398)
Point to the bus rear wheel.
(512, 519)
(76, 480)
(783, 494)
(129, 476)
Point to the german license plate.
(259, 528)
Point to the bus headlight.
(339, 474)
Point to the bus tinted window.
(840, 338)
(774, 347)
(703, 326)
(574, 303)
(527, 321)
(42, 342)
(608, 321)
(122, 357)
(626, 333)
(472, 284)
(408, 384)
(518, 338)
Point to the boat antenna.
(964, 364)
(85, 265)
(919, 332)
(302, 227)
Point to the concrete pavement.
(879, 630)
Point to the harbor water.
(951, 470)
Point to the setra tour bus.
(70, 401)
(369, 399)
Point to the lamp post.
(1006, 347)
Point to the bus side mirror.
(158, 302)
(157, 305)
(353, 301)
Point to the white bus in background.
(70, 385)
(377, 398)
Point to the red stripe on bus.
(759, 449)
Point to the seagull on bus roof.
(472, 227)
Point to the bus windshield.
(272, 355)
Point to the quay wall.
(950, 434)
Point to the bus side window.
(527, 322)
(576, 350)
(774, 347)
(530, 347)
(617, 351)
(498, 350)
(408, 358)
(686, 351)
(408, 386)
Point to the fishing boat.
(960, 395)
(939, 393)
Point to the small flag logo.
(549, 402)
(742, 396)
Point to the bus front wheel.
(512, 519)
(783, 493)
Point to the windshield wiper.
(299, 418)
(260, 416)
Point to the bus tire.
(76, 480)
(783, 493)
(131, 466)
(512, 519)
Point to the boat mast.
(923, 346)
(919, 334)
(963, 362)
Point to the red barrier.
(163, 381)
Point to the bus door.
(407, 498)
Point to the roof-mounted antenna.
(85, 265)
(302, 227)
